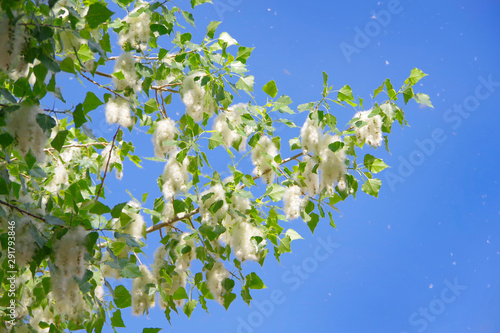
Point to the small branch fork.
(107, 165)
(22, 211)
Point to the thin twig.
(162, 88)
(174, 219)
(101, 86)
(82, 145)
(107, 164)
(22, 211)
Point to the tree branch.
(22, 211)
(107, 165)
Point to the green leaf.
(180, 294)
(6, 94)
(253, 281)
(188, 17)
(226, 38)
(130, 271)
(415, 76)
(215, 141)
(345, 94)
(378, 90)
(313, 222)
(372, 187)
(68, 65)
(116, 320)
(212, 26)
(6, 140)
(373, 164)
(423, 99)
(275, 192)
(46, 122)
(54, 220)
(244, 53)
(195, 3)
(84, 53)
(97, 14)
(122, 297)
(59, 140)
(305, 107)
(189, 307)
(151, 330)
(336, 146)
(4, 188)
(270, 88)
(79, 116)
(282, 104)
(408, 94)
(245, 83)
(100, 208)
(293, 234)
(390, 90)
(91, 102)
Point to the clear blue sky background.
(436, 221)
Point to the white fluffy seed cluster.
(265, 146)
(141, 298)
(70, 261)
(194, 98)
(215, 277)
(331, 166)
(60, 179)
(230, 135)
(370, 133)
(138, 31)
(12, 41)
(126, 65)
(293, 202)
(135, 226)
(25, 243)
(239, 231)
(175, 177)
(118, 112)
(209, 197)
(112, 160)
(22, 125)
(165, 131)
(182, 264)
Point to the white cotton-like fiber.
(112, 160)
(265, 146)
(126, 65)
(118, 112)
(214, 281)
(141, 300)
(194, 98)
(175, 177)
(165, 131)
(310, 135)
(22, 125)
(138, 31)
(332, 164)
(370, 133)
(209, 197)
(293, 202)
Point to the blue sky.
(425, 255)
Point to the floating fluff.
(370, 133)
(310, 135)
(183, 261)
(332, 164)
(214, 281)
(138, 31)
(126, 65)
(231, 136)
(293, 202)
(209, 197)
(22, 125)
(194, 98)
(261, 162)
(179, 280)
(118, 112)
(311, 179)
(165, 131)
(108, 271)
(175, 177)
(141, 299)
(112, 160)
